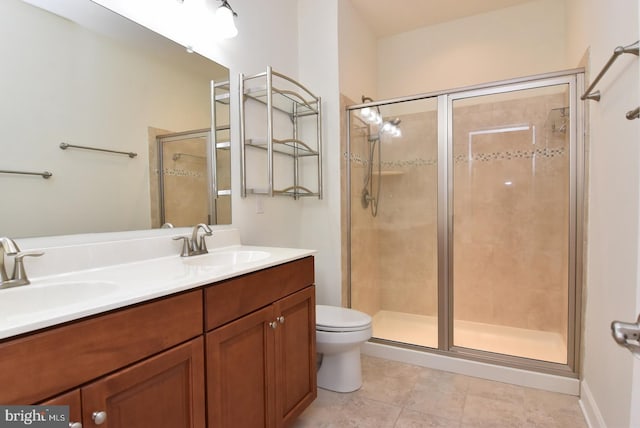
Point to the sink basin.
(227, 258)
(34, 299)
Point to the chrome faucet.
(19, 277)
(10, 248)
(193, 246)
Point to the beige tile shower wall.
(365, 257)
(407, 222)
(185, 182)
(511, 239)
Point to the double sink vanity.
(130, 334)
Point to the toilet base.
(341, 372)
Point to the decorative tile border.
(175, 172)
(509, 155)
(358, 161)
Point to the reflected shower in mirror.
(108, 84)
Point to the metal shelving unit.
(289, 110)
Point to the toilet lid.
(334, 318)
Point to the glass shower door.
(510, 222)
(393, 223)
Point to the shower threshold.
(422, 330)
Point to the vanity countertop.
(54, 299)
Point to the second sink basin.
(227, 258)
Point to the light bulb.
(225, 27)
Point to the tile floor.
(401, 395)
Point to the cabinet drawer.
(229, 300)
(40, 365)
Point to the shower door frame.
(574, 78)
(210, 170)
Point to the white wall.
(613, 204)
(358, 54)
(318, 56)
(511, 42)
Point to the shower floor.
(423, 331)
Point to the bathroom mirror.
(108, 83)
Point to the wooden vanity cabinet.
(121, 362)
(144, 365)
(164, 391)
(71, 399)
(261, 354)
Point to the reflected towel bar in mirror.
(65, 146)
(45, 174)
(633, 114)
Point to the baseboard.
(510, 375)
(590, 408)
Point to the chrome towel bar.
(65, 146)
(45, 174)
(595, 95)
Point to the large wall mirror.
(112, 85)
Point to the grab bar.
(633, 114)
(65, 146)
(595, 95)
(45, 174)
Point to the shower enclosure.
(183, 185)
(474, 244)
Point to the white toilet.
(339, 334)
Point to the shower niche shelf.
(388, 173)
(280, 130)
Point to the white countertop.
(54, 299)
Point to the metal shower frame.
(574, 78)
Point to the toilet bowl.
(339, 334)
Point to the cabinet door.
(71, 399)
(164, 391)
(240, 372)
(295, 354)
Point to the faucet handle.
(19, 273)
(186, 250)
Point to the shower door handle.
(627, 335)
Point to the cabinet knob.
(75, 425)
(99, 417)
(273, 324)
(280, 319)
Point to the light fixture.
(374, 117)
(225, 25)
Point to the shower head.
(395, 121)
